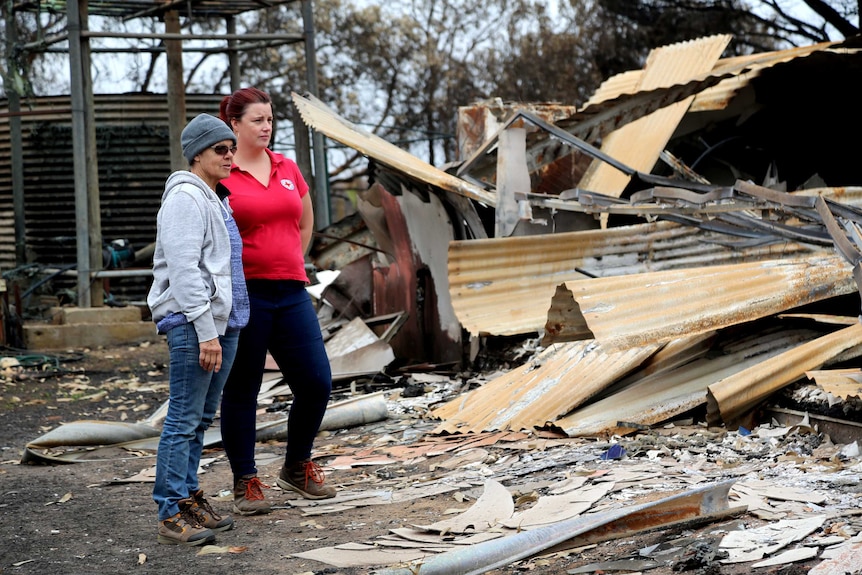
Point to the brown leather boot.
(206, 516)
(306, 478)
(183, 528)
(248, 496)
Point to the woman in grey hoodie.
(199, 301)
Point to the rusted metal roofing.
(663, 395)
(584, 389)
(557, 381)
(730, 397)
(489, 298)
(843, 383)
(743, 68)
(323, 119)
(619, 103)
(639, 143)
(629, 311)
(133, 157)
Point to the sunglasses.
(222, 150)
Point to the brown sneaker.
(248, 496)
(206, 516)
(306, 478)
(183, 528)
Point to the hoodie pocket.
(221, 298)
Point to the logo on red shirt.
(288, 184)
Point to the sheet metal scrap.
(709, 500)
(654, 307)
(768, 216)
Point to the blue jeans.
(283, 321)
(194, 398)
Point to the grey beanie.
(203, 132)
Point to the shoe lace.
(203, 506)
(314, 472)
(253, 491)
(188, 515)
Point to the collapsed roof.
(677, 237)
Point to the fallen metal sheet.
(559, 380)
(324, 120)
(489, 299)
(429, 332)
(369, 360)
(355, 350)
(715, 97)
(655, 307)
(665, 394)
(340, 415)
(117, 440)
(630, 103)
(843, 383)
(483, 557)
(93, 432)
(639, 143)
(729, 398)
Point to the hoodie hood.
(181, 177)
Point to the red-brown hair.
(235, 105)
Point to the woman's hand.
(210, 358)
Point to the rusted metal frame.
(686, 195)
(575, 142)
(604, 203)
(186, 37)
(161, 8)
(734, 224)
(794, 233)
(551, 129)
(718, 226)
(848, 249)
(851, 213)
(587, 198)
(654, 180)
(774, 229)
(771, 195)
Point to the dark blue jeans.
(283, 321)
(192, 404)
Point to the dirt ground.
(84, 518)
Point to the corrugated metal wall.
(133, 156)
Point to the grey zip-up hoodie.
(191, 262)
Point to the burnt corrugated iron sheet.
(730, 397)
(639, 143)
(554, 383)
(323, 119)
(504, 286)
(134, 161)
(714, 97)
(630, 311)
(583, 389)
(481, 123)
(663, 395)
(619, 103)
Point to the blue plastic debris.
(615, 451)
